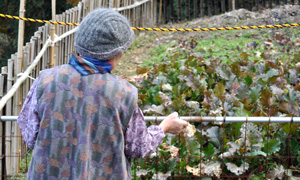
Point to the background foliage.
(255, 77)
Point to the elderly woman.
(82, 121)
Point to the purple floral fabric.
(139, 140)
(28, 119)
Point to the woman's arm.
(140, 140)
(28, 120)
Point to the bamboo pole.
(15, 130)
(8, 124)
(111, 4)
(39, 44)
(2, 79)
(17, 144)
(52, 49)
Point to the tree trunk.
(195, 9)
(202, 8)
(209, 7)
(179, 10)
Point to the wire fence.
(217, 149)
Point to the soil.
(147, 41)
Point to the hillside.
(151, 46)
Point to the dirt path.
(147, 41)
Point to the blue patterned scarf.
(86, 66)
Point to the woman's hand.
(172, 124)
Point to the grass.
(229, 45)
(157, 54)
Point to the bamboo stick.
(25, 85)
(39, 44)
(67, 49)
(1, 123)
(118, 4)
(47, 53)
(60, 58)
(111, 4)
(15, 131)
(91, 5)
(52, 49)
(79, 12)
(34, 51)
(43, 41)
(19, 62)
(64, 40)
(8, 124)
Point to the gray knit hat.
(103, 34)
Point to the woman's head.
(103, 34)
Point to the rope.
(162, 29)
